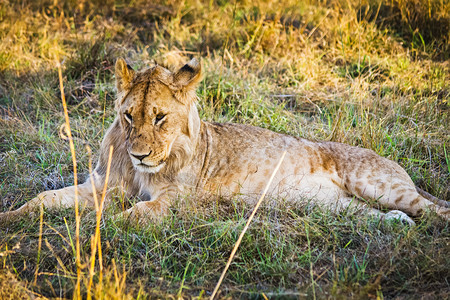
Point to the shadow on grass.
(422, 24)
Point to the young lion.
(161, 149)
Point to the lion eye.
(158, 118)
(128, 117)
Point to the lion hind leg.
(353, 204)
(413, 203)
(363, 208)
(401, 195)
(432, 198)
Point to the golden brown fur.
(162, 149)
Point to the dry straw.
(238, 242)
(95, 240)
(75, 180)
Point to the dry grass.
(370, 73)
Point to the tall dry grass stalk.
(238, 242)
(95, 240)
(75, 180)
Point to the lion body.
(235, 159)
(161, 149)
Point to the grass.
(370, 73)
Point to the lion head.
(156, 109)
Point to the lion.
(161, 149)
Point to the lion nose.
(141, 157)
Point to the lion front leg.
(147, 211)
(62, 198)
(153, 210)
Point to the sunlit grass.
(367, 73)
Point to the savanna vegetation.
(370, 73)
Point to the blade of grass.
(41, 219)
(311, 271)
(70, 236)
(447, 159)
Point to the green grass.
(370, 73)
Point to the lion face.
(155, 111)
(153, 119)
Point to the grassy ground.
(370, 73)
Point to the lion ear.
(186, 80)
(124, 75)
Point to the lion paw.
(142, 213)
(7, 217)
(398, 215)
